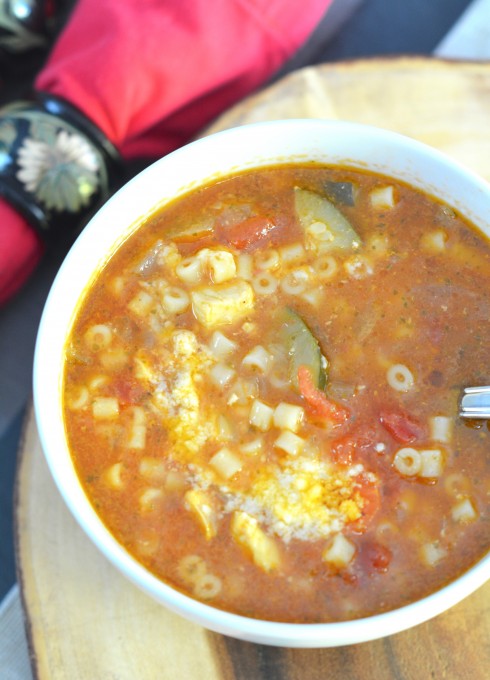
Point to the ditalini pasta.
(261, 390)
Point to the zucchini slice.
(312, 209)
(303, 350)
(343, 193)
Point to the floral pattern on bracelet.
(54, 162)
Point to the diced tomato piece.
(128, 393)
(377, 556)
(319, 405)
(249, 234)
(369, 492)
(343, 450)
(401, 426)
(347, 449)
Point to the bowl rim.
(221, 621)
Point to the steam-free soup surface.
(261, 394)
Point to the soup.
(261, 394)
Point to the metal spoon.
(475, 403)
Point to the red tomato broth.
(419, 307)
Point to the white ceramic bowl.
(249, 146)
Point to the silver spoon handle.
(475, 403)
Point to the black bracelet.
(25, 26)
(56, 166)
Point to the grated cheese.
(302, 497)
(174, 392)
(305, 499)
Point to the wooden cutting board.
(85, 621)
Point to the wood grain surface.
(85, 621)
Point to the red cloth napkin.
(151, 73)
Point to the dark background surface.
(352, 29)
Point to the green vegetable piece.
(311, 209)
(303, 349)
(341, 192)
